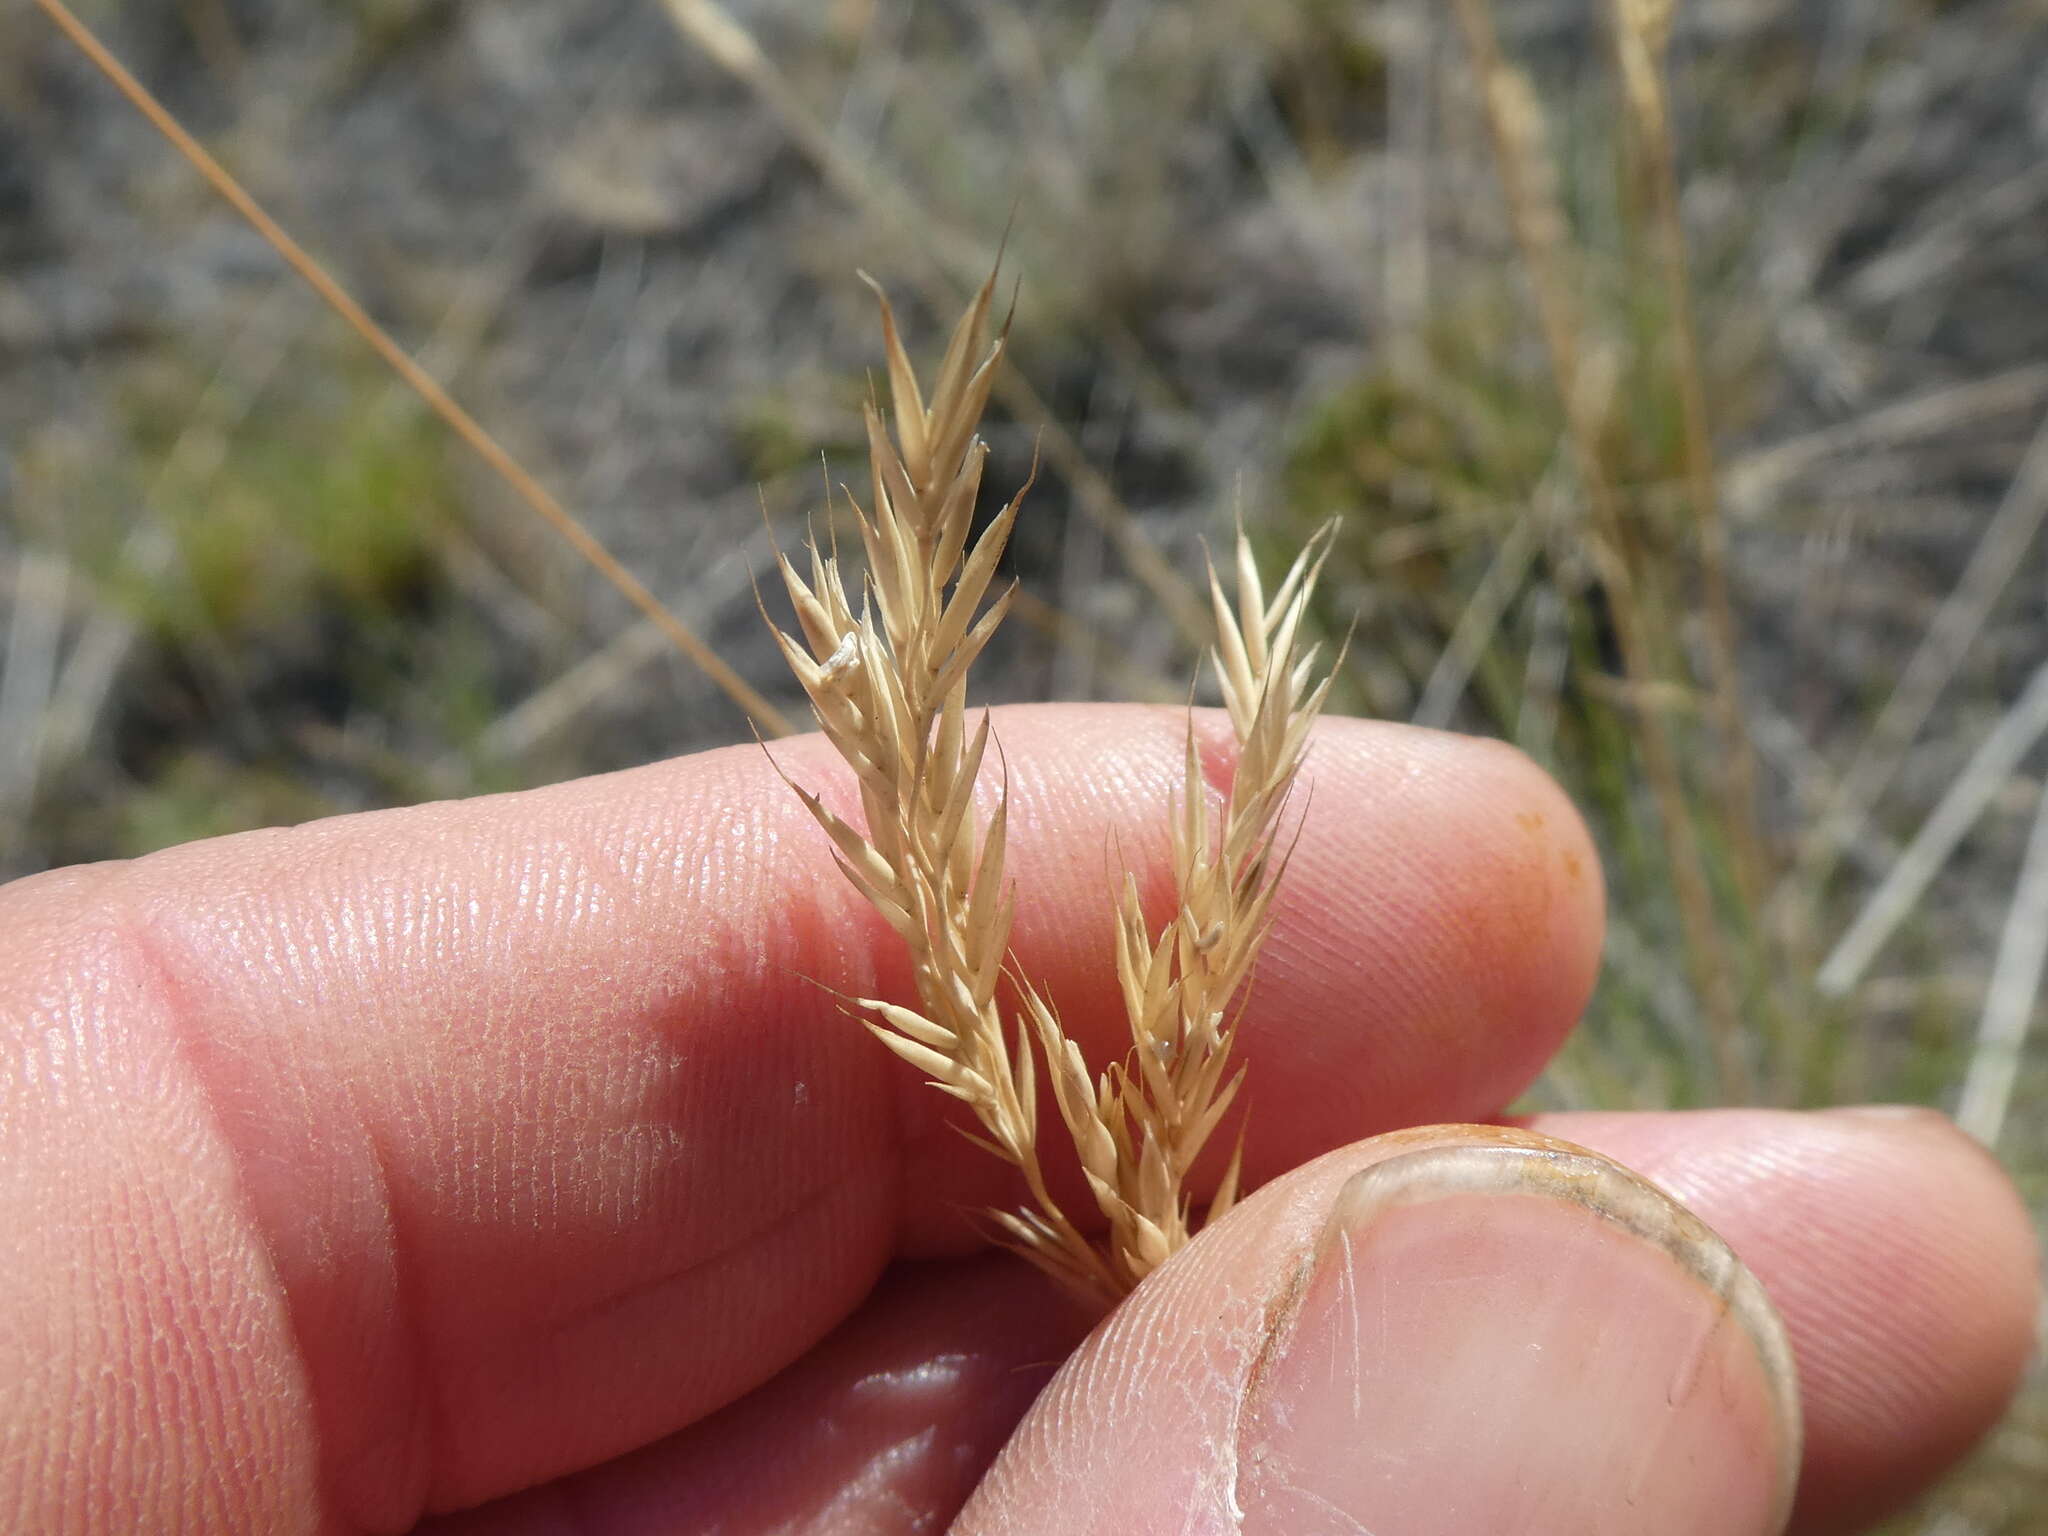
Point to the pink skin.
(1442, 1331)
(396, 1164)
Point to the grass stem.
(1514, 125)
(523, 484)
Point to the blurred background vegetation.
(1680, 382)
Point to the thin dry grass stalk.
(1641, 31)
(1515, 125)
(945, 257)
(522, 483)
(887, 678)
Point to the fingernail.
(1519, 1338)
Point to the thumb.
(1454, 1331)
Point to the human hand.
(369, 1173)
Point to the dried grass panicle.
(1142, 1125)
(886, 678)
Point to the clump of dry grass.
(887, 679)
(1582, 370)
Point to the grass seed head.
(887, 680)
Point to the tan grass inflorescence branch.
(886, 668)
(1147, 1119)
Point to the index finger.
(463, 1146)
